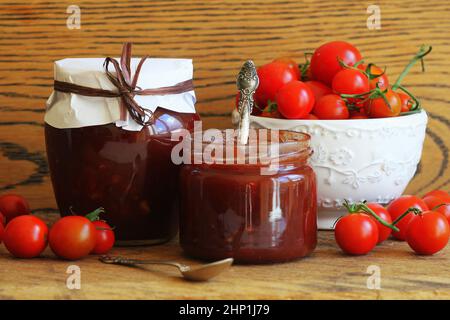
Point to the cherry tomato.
(13, 205)
(104, 237)
(331, 107)
(25, 236)
(318, 89)
(291, 64)
(358, 115)
(383, 231)
(377, 107)
(2, 219)
(2, 231)
(440, 194)
(295, 100)
(72, 237)
(310, 116)
(437, 204)
(381, 79)
(356, 233)
(399, 206)
(406, 102)
(428, 232)
(350, 81)
(272, 77)
(325, 63)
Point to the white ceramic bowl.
(363, 159)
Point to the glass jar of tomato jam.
(233, 209)
(128, 173)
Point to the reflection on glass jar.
(128, 173)
(232, 210)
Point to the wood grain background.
(219, 36)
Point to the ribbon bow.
(126, 87)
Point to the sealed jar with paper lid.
(114, 151)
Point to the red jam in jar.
(129, 173)
(232, 210)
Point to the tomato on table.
(104, 237)
(383, 231)
(295, 100)
(310, 116)
(272, 77)
(325, 64)
(72, 237)
(331, 107)
(358, 115)
(356, 233)
(13, 205)
(435, 203)
(443, 195)
(380, 108)
(25, 236)
(428, 232)
(398, 207)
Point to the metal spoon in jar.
(198, 273)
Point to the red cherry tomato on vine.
(381, 78)
(295, 100)
(318, 89)
(399, 206)
(356, 233)
(350, 81)
(444, 195)
(291, 64)
(406, 102)
(310, 117)
(383, 231)
(13, 205)
(358, 115)
(331, 107)
(272, 77)
(25, 236)
(428, 232)
(437, 204)
(72, 237)
(104, 237)
(324, 62)
(378, 108)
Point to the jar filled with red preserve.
(115, 153)
(251, 210)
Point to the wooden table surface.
(326, 274)
(219, 36)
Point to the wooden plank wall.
(219, 36)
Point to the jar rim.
(264, 144)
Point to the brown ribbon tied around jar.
(126, 87)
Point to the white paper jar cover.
(69, 110)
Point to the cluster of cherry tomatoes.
(422, 223)
(335, 83)
(71, 237)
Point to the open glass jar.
(249, 211)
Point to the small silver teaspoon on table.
(198, 273)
